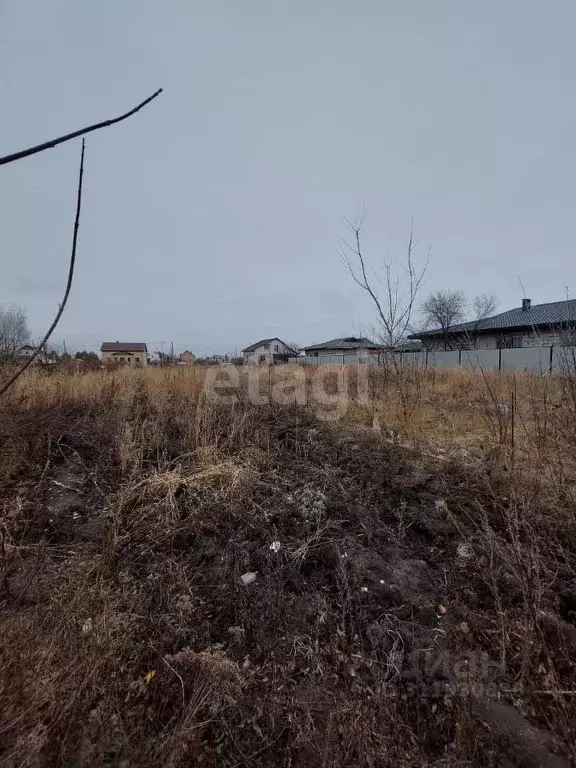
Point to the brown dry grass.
(425, 576)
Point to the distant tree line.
(15, 334)
(84, 355)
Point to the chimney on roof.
(526, 304)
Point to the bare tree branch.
(4, 387)
(484, 305)
(395, 303)
(60, 140)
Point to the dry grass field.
(409, 546)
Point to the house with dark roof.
(268, 351)
(132, 353)
(538, 325)
(347, 345)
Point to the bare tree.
(7, 384)
(443, 309)
(14, 332)
(484, 305)
(75, 134)
(392, 289)
(49, 354)
(296, 346)
(41, 148)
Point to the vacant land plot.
(238, 580)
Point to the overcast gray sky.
(211, 219)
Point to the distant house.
(348, 345)
(124, 352)
(268, 351)
(187, 358)
(24, 352)
(541, 325)
(44, 356)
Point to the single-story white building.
(541, 325)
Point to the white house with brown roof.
(268, 351)
(131, 353)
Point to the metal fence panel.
(444, 359)
(522, 359)
(385, 358)
(564, 360)
(411, 359)
(484, 359)
(327, 359)
(526, 359)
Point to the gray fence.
(339, 360)
(539, 359)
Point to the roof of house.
(410, 345)
(263, 342)
(123, 346)
(554, 313)
(348, 342)
(25, 346)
